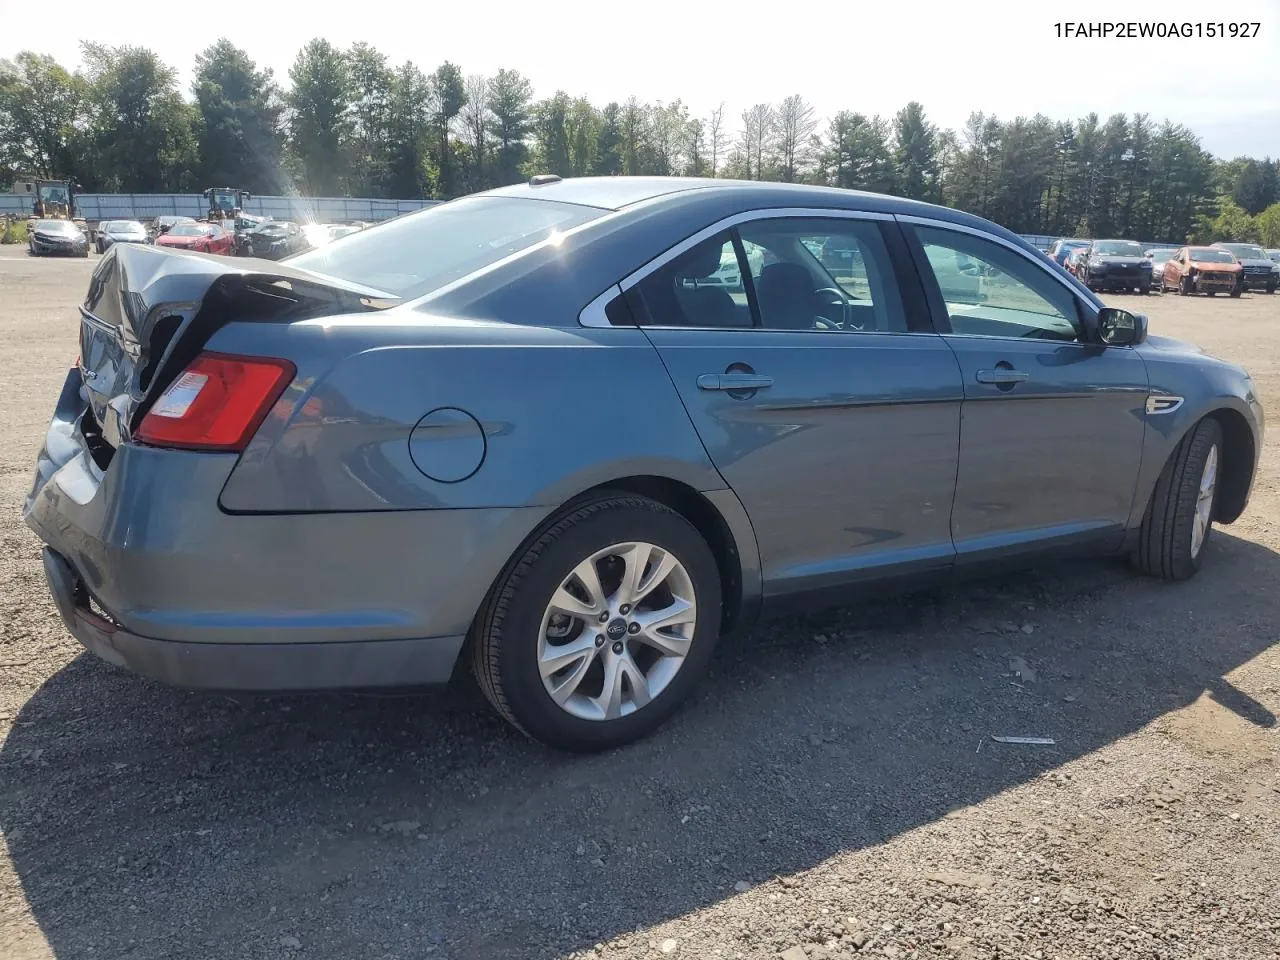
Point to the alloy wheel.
(616, 631)
(1204, 501)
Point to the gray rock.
(793, 953)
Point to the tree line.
(349, 122)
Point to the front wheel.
(1237, 291)
(1184, 287)
(1179, 517)
(600, 630)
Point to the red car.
(204, 237)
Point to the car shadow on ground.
(149, 822)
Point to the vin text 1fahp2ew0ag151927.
(1161, 29)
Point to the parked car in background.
(1159, 256)
(199, 236)
(1202, 270)
(1274, 255)
(1115, 265)
(275, 240)
(1074, 258)
(1059, 250)
(163, 224)
(119, 231)
(56, 237)
(1259, 272)
(274, 502)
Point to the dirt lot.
(833, 789)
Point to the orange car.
(1202, 270)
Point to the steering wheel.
(842, 298)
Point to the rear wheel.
(601, 629)
(1180, 515)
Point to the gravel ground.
(833, 792)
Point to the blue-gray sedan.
(574, 432)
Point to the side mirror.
(246, 195)
(1120, 328)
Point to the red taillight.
(217, 403)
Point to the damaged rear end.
(147, 428)
(148, 314)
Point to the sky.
(1004, 57)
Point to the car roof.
(616, 193)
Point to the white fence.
(145, 206)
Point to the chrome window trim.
(593, 315)
(1009, 245)
(747, 216)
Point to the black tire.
(505, 638)
(1212, 293)
(1236, 292)
(1164, 541)
(1184, 287)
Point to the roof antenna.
(542, 178)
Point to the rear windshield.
(1211, 256)
(1245, 251)
(1118, 248)
(413, 255)
(56, 226)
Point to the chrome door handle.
(1001, 376)
(733, 381)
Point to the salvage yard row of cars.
(251, 237)
(1124, 266)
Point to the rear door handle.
(733, 381)
(1001, 376)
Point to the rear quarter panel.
(561, 409)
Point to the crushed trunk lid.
(150, 310)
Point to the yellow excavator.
(226, 204)
(51, 200)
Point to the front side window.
(830, 274)
(989, 290)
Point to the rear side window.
(701, 287)
(413, 255)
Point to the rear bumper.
(1104, 282)
(1260, 282)
(200, 597)
(59, 249)
(248, 666)
(1204, 284)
